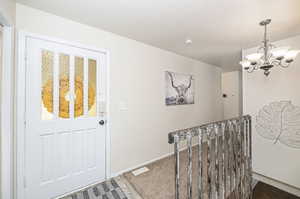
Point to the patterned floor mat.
(106, 190)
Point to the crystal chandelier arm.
(252, 68)
(275, 62)
(284, 64)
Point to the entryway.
(65, 137)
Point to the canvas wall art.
(179, 88)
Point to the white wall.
(276, 161)
(7, 11)
(139, 134)
(232, 87)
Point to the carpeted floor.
(158, 182)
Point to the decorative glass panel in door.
(64, 86)
(47, 85)
(92, 87)
(79, 88)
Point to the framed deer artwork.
(179, 88)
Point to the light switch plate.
(123, 106)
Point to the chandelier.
(268, 55)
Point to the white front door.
(65, 146)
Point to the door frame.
(20, 106)
(7, 110)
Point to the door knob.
(101, 122)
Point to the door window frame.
(20, 103)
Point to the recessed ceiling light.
(188, 41)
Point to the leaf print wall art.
(280, 122)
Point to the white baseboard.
(280, 185)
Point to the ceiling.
(219, 29)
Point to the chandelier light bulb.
(280, 52)
(254, 57)
(291, 55)
(245, 63)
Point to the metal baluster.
(235, 156)
(205, 165)
(220, 162)
(200, 178)
(247, 160)
(212, 165)
(225, 159)
(229, 159)
(176, 153)
(189, 180)
(217, 163)
(250, 157)
(239, 158)
(243, 132)
(233, 165)
(232, 153)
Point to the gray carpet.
(106, 190)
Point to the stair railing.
(224, 159)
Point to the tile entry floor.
(109, 189)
